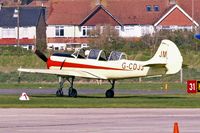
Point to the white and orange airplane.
(95, 65)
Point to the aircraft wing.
(76, 73)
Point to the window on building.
(86, 30)
(59, 31)
(156, 8)
(148, 8)
(56, 48)
(30, 47)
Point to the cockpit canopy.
(101, 55)
(115, 55)
(97, 55)
(80, 53)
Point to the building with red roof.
(70, 21)
(23, 26)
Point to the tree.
(106, 37)
(182, 38)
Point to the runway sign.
(192, 86)
(198, 86)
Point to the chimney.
(172, 1)
(98, 2)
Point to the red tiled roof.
(13, 41)
(134, 11)
(187, 7)
(69, 11)
(39, 3)
(126, 11)
(73, 12)
(100, 16)
(176, 16)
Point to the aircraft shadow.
(116, 97)
(123, 97)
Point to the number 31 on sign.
(193, 86)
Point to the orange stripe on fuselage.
(51, 63)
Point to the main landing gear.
(110, 93)
(71, 92)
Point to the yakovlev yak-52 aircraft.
(96, 65)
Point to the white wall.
(126, 31)
(0, 32)
(173, 28)
(8, 33)
(136, 30)
(50, 32)
(69, 31)
(130, 31)
(24, 32)
(27, 32)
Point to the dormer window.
(156, 8)
(148, 8)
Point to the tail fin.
(168, 55)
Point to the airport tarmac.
(89, 91)
(98, 120)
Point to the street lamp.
(16, 15)
(193, 17)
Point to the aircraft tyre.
(110, 93)
(72, 93)
(59, 93)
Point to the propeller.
(41, 55)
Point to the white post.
(181, 75)
(140, 79)
(18, 27)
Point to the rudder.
(169, 55)
(174, 58)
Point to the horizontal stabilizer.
(154, 65)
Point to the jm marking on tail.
(163, 54)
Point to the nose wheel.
(110, 93)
